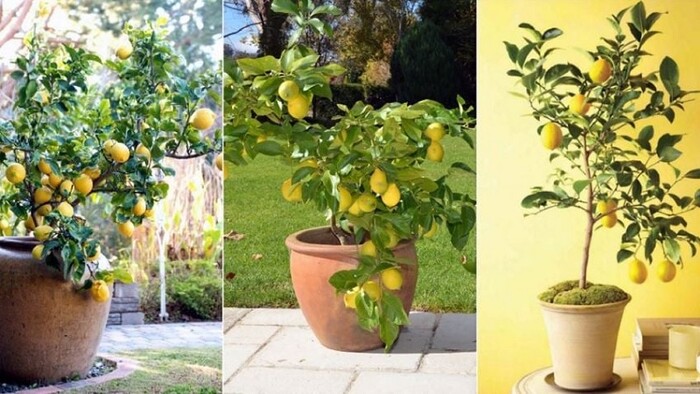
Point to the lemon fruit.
(551, 136)
(140, 207)
(83, 184)
(610, 218)
(44, 210)
(125, 50)
(126, 229)
(637, 271)
(393, 239)
(372, 289)
(288, 90)
(601, 207)
(15, 173)
(344, 199)
(579, 104)
(392, 278)
(666, 271)
(391, 196)
(66, 188)
(367, 203)
(368, 249)
(600, 71)
(95, 256)
(119, 152)
(291, 193)
(37, 251)
(435, 131)
(142, 151)
(65, 209)
(44, 167)
(433, 230)
(107, 147)
(298, 107)
(92, 172)
(435, 152)
(99, 291)
(55, 180)
(42, 195)
(377, 181)
(355, 209)
(219, 161)
(349, 298)
(42, 233)
(203, 118)
(29, 222)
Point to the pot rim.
(566, 308)
(294, 243)
(18, 242)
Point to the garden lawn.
(172, 371)
(257, 266)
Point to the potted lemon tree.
(615, 168)
(70, 140)
(355, 278)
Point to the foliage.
(423, 67)
(65, 128)
(609, 155)
(376, 73)
(333, 165)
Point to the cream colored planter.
(582, 342)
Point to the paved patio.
(161, 336)
(274, 351)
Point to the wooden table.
(533, 383)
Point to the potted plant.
(70, 140)
(355, 278)
(611, 168)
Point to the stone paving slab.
(288, 381)
(274, 317)
(456, 331)
(389, 383)
(161, 336)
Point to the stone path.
(274, 351)
(161, 336)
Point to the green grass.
(255, 208)
(172, 371)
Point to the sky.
(233, 21)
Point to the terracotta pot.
(48, 330)
(582, 342)
(314, 257)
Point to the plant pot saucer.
(549, 379)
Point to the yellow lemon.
(310, 162)
(149, 214)
(119, 152)
(637, 271)
(368, 249)
(349, 298)
(288, 90)
(203, 118)
(298, 107)
(291, 193)
(66, 188)
(92, 172)
(45, 97)
(42, 233)
(126, 229)
(393, 239)
(37, 251)
(600, 71)
(391, 196)
(609, 220)
(161, 88)
(579, 104)
(551, 136)
(125, 50)
(4, 224)
(140, 207)
(29, 222)
(83, 184)
(355, 209)
(142, 151)
(367, 203)
(435, 131)
(435, 152)
(107, 147)
(392, 278)
(99, 291)
(15, 173)
(433, 230)
(219, 161)
(45, 180)
(344, 199)
(601, 207)
(95, 256)
(44, 210)
(373, 290)
(42, 195)
(65, 209)
(666, 271)
(55, 181)
(44, 167)
(377, 181)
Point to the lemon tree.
(366, 171)
(71, 139)
(611, 164)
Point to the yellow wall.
(518, 257)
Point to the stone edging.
(124, 368)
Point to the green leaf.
(639, 15)
(669, 154)
(270, 148)
(693, 174)
(463, 167)
(344, 280)
(512, 51)
(580, 185)
(645, 135)
(539, 199)
(524, 52)
(285, 7)
(328, 9)
(556, 71)
(623, 254)
(258, 66)
(551, 33)
(672, 249)
(669, 76)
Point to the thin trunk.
(590, 219)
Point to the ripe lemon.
(219, 161)
(29, 222)
(45, 180)
(433, 230)
(373, 290)
(601, 207)
(435, 152)
(288, 90)
(637, 271)
(107, 147)
(124, 50)
(149, 214)
(310, 162)
(126, 229)
(4, 224)
(15, 173)
(92, 172)
(42, 233)
(392, 278)
(202, 118)
(95, 256)
(161, 88)
(42, 195)
(368, 249)
(291, 193)
(345, 199)
(140, 207)
(349, 298)
(37, 251)
(609, 220)
(65, 209)
(666, 271)
(45, 97)
(377, 181)
(391, 196)
(367, 203)
(298, 107)
(551, 136)
(66, 188)
(142, 151)
(99, 291)
(83, 184)
(355, 209)
(393, 239)
(44, 210)
(55, 180)
(600, 71)
(579, 104)
(119, 152)
(435, 131)
(44, 167)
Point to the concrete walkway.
(274, 351)
(161, 336)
